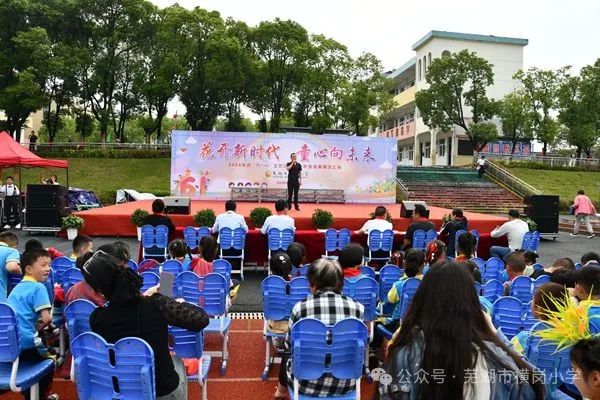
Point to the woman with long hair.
(457, 223)
(466, 247)
(447, 340)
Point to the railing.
(403, 188)
(547, 160)
(98, 146)
(515, 184)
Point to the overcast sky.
(559, 32)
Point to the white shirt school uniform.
(376, 224)
(280, 222)
(9, 190)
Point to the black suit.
(293, 183)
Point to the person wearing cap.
(514, 229)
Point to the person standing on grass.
(583, 207)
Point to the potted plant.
(322, 219)
(258, 216)
(72, 224)
(205, 217)
(137, 218)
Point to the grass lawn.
(563, 183)
(105, 175)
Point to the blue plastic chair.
(336, 240)
(188, 344)
(364, 290)
(77, 314)
(318, 349)
(546, 357)
(150, 279)
(478, 288)
(155, 241)
(14, 375)
(173, 266)
(475, 234)
(418, 239)
(301, 270)
(430, 236)
(408, 292)
(493, 268)
(59, 265)
(133, 265)
(380, 241)
(70, 277)
(456, 236)
(540, 281)
(100, 367)
(368, 271)
(522, 288)
(531, 241)
(480, 262)
(578, 265)
(512, 315)
(223, 267)
(279, 298)
(279, 240)
(233, 239)
(492, 290)
(192, 235)
(537, 267)
(388, 275)
(149, 265)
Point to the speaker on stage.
(543, 209)
(177, 205)
(46, 196)
(45, 217)
(407, 207)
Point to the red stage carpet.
(114, 220)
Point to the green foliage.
(514, 116)
(72, 222)
(138, 216)
(455, 82)
(106, 153)
(258, 216)
(322, 219)
(205, 217)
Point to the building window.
(429, 58)
(419, 70)
(410, 152)
(442, 147)
(427, 151)
(400, 153)
(424, 67)
(445, 53)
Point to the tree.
(514, 116)
(457, 89)
(541, 89)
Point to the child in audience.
(351, 259)
(30, 301)
(473, 269)
(566, 263)
(530, 259)
(515, 266)
(297, 253)
(466, 247)
(180, 251)
(36, 244)
(280, 265)
(585, 358)
(9, 261)
(563, 276)
(207, 251)
(81, 244)
(434, 253)
(544, 301)
(590, 258)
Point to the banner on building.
(504, 147)
(205, 165)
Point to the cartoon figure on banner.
(185, 184)
(204, 180)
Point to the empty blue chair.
(173, 266)
(318, 349)
(14, 375)
(512, 315)
(368, 271)
(522, 288)
(99, 367)
(215, 301)
(188, 344)
(70, 277)
(133, 265)
(155, 241)
(409, 288)
(493, 268)
(192, 235)
(59, 265)
(279, 239)
(456, 236)
(418, 239)
(336, 240)
(380, 241)
(492, 290)
(364, 290)
(388, 275)
(480, 262)
(150, 279)
(223, 267)
(279, 298)
(233, 239)
(188, 286)
(531, 241)
(77, 315)
(540, 281)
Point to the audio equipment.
(407, 208)
(177, 205)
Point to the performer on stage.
(11, 202)
(294, 181)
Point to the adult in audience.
(351, 259)
(515, 266)
(514, 229)
(420, 221)
(229, 219)
(10, 260)
(207, 252)
(328, 304)
(82, 244)
(457, 223)
(566, 263)
(585, 358)
(158, 218)
(378, 222)
(32, 244)
(446, 330)
(280, 220)
(590, 258)
(12, 203)
(584, 208)
(129, 314)
(466, 247)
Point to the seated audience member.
(530, 259)
(32, 307)
(514, 229)
(419, 222)
(564, 277)
(297, 253)
(32, 244)
(351, 259)
(280, 220)
(179, 250)
(82, 290)
(446, 330)
(207, 251)
(587, 285)
(435, 252)
(473, 269)
(328, 304)
(82, 244)
(229, 219)
(585, 359)
(129, 314)
(590, 258)
(158, 218)
(466, 247)
(560, 263)
(515, 266)
(280, 265)
(545, 300)
(457, 223)
(378, 222)
(10, 261)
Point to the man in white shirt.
(515, 229)
(378, 223)
(280, 220)
(11, 202)
(229, 219)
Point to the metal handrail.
(547, 160)
(403, 188)
(515, 184)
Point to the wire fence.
(62, 146)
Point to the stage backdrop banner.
(205, 165)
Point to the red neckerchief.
(351, 272)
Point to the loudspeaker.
(407, 208)
(46, 196)
(543, 209)
(177, 205)
(45, 217)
